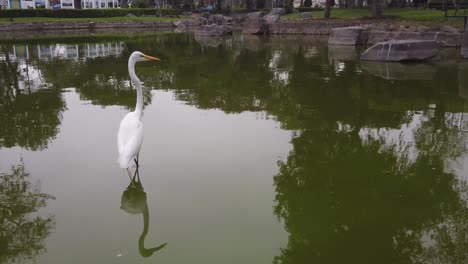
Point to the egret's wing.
(129, 139)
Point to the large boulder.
(464, 46)
(443, 39)
(402, 50)
(270, 19)
(213, 30)
(255, 24)
(351, 36)
(217, 19)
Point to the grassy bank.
(403, 15)
(98, 19)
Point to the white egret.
(130, 134)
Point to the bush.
(87, 13)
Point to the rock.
(403, 50)
(255, 24)
(306, 14)
(217, 19)
(464, 46)
(348, 36)
(449, 29)
(270, 19)
(278, 11)
(213, 30)
(180, 24)
(184, 25)
(422, 29)
(255, 15)
(130, 15)
(443, 39)
(187, 13)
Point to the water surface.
(256, 150)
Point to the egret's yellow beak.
(151, 58)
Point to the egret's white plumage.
(130, 136)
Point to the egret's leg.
(138, 175)
(135, 174)
(136, 161)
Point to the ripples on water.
(256, 150)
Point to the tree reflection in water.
(22, 230)
(30, 113)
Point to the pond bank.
(378, 30)
(38, 27)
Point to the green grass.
(100, 19)
(403, 15)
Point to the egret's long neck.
(136, 82)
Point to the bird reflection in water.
(134, 201)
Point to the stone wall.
(84, 25)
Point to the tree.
(376, 8)
(328, 5)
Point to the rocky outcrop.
(349, 36)
(255, 24)
(403, 50)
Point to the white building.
(58, 4)
(99, 4)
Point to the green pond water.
(275, 150)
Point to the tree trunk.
(301, 4)
(376, 8)
(327, 9)
(360, 3)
